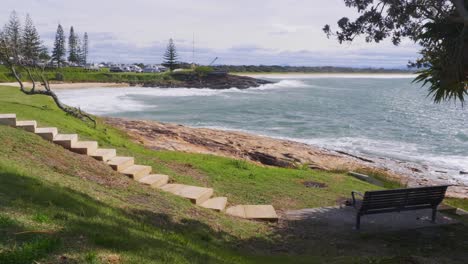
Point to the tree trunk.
(76, 112)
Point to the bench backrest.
(402, 199)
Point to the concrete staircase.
(200, 196)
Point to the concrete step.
(29, 126)
(66, 140)
(47, 133)
(137, 172)
(155, 180)
(84, 147)
(257, 212)
(120, 163)
(195, 194)
(104, 154)
(8, 119)
(172, 188)
(217, 203)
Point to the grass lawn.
(70, 74)
(57, 205)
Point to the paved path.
(343, 218)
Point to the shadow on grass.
(384, 238)
(87, 220)
(145, 236)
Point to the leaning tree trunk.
(76, 112)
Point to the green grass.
(241, 182)
(70, 74)
(55, 204)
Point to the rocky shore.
(276, 152)
(211, 81)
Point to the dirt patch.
(188, 170)
(313, 184)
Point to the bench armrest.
(353, 194)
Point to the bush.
(202, 71)
(59, 76)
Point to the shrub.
(59, 76)
(203, 71)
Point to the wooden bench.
(396, 200)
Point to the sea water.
(373, 115)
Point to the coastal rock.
(218, 82)
(269, 160)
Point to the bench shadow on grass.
(117, 230)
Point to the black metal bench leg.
(434, 214)
(358, 221)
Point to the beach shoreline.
(276, 152)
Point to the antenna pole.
(193, 51)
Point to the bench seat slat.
(394, 209)
(406, 190)
(377, 195)
(433, 197)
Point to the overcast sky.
(286, 32)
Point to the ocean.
(372, 115)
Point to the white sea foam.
(102, 100)
(380, 148)
(110, 100)
(283, 84)
(392, 149)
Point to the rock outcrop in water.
(211, 81)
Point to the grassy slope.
(94, 213)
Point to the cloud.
(236, 31)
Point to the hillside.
(61, 207)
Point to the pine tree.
(84, 55)
(13, 33)
(170, 57)
(72, 46)
(79, 51)
(30, 41)
(44, 54)
(58, 53)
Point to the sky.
(238, 32)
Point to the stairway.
(200, 196)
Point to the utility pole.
(193, 51)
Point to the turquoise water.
(386, 117)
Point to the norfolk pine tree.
(170, 57)
(30, 42)
(58, 53)
(73, 55)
